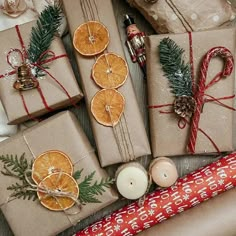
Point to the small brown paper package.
(215, 217)
(60, 132)
(179, 16)
(53, 93)
(216, 121)
(127, 140)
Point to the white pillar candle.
(163, 172)
(132, 180)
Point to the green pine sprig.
(17, 167)
(89, 191)
(43, 33)
(175, 69)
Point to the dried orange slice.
(107, 106)
(110, 71)
(50, 162)
(91, 38)
(58, 183)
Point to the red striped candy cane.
(199, 95)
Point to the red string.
(62, 87)
(160, 106)
(21, 42)
(38, 64)
(204, 133)
(26, 108)
(191, 60)
(220, 103)
(199, 95)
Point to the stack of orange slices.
(52, 171)
(109, 72)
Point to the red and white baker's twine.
(199, 95)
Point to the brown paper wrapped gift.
(60, 132)
(54, 95)
(179, 16)
(216, 121)
(215, 217)
(133, 139)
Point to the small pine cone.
(184, 106)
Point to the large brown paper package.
(216, 121)
(54, 95)
(130, 131)
(215, 217)
(179, 16)
(60, 132)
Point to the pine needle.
(43, 33)
(175, 69)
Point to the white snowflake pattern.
(116, 228)
(151, 212)
(186, 197)
(218, 164)
(180, 210)
(221, 182)
(214, 194)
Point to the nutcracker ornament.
(135, 43)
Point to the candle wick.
(165, 175)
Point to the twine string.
(180, 16)
(120, 131)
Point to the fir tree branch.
(43, 33)
(175, 69)
(89, 191)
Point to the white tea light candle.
(132, 180)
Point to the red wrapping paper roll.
(188, 191)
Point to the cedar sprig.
(22, 191)
(14, 166)
(17, 167)
(43, 33)
(89, 191)
(175, 69)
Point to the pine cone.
(184, 106)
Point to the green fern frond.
(175, 69)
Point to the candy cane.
(199, 95)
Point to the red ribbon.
(24, 56)
(199, 93)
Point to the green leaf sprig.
(16, 167)
(88, 191)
